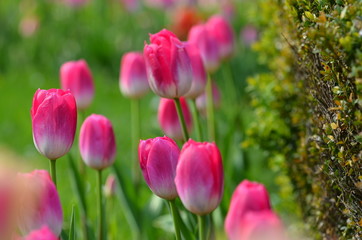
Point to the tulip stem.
(181, 118)
(135, 128)
(202, 225)
(175, 219)
(210, 109)
(100, 207)
(196, 117)
(53, 171)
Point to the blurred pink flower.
(43, 233)
(39, 203)
(131, 5)
(28, 26)
(110, 186)
(75, 3)
(249, 35)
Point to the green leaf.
(72, 225)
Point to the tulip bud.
(158, 160)
(248, 197)
(110, 187)
(54, 121)
(198, 71)
(259, 226)
(169, 120)
(199, 177)
(39, 203)
(201, 36)
(168, 65)
(77, 77)
(201, 101)
(133, 78)
(222, 31)
(97, 142)
(43, 233)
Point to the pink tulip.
(222, 31)
(249, 35)
(7, 197)
(248, 197)
(75, 3)
(77, 77)
(39, 203)
(201, 36)
(133, 78)
(131, 5)
(199, 177)
(201, 101)
(259, 226)
(168, 65)
(43, 233)
(97, 142)
(198, 71)
(158, 160)
(110, 187)
(169, 120)
(54, 121)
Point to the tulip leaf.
(72, 235)
(128, 209)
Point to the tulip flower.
(168, 118)
(168, 65)
(77, 77)
(43, 233)
(131, 5)
(54, 120)
(258, 226)
(110, 186)
(222, 31)
(248, 197)
(158, 159)
(249, 35)
(199, 177)
(133, 78)
(201, 101)
(198, 71)
(97, 142)
(39, 203)
(201, 36)
(7, 197)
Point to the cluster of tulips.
(178, 73)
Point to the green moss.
(308, 108)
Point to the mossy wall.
(308, 108)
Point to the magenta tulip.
(199, 177)
(201, 36)
(97, 142)
(198, 72)
(222, 31)
(168, 118)
(258, 226)
(158, 160)
(54, 121)
(133, 78)
(201, 101)
(168, 65)
(248, 197)
(43, 233)
(77, 77)
(39, 203)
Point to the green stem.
(202, 232)
(181, 119)
(53, 171)
(196, 117)
(210, 109)
(101, 222)
(135, 132)
(175, 218)
(81, 118)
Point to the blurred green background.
(37, 36)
